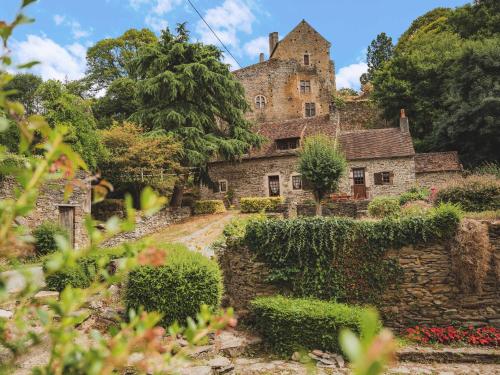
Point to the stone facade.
(428, 294)
(278, 80)
(361, 114)
(435, 179)
(51, 206)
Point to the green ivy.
(340, 258)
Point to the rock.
(317, 352)
(313, 356)
(296, 357)
(200, 350)
(219, 362)
(340, 360)
(5, 314)
(328, 362)
(44, 295)
(197, 370)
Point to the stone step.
(449, 355)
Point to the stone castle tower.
(297, 81)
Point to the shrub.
(488, 168)
(341, 258)
(381, 207)
(415, 208)
(176, 289)
(45, 234)
(108, 208)
(474, 193)
(414, 194)
(215, 206)
(259, 204)
(486, 336)
(290, 324)
(484, 215)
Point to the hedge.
(215, 206)
(292, 324)
(474, 193)
(44, 235)
(259, 204)
(341, 258)
(176, 289)
(381, 207)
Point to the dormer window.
(260, 101)
(288, 143)
(306, 59)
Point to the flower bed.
(483, 336)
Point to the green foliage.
(340, 258)
(346, 92)
(443, 72)
(214, 206)
(184, 89)
(414, 194)
(176, 289)
(45, 237)
(25, 85)
(258, 204)
(379, 51)
(321, 164)
(474, 193)
(291, 324)
(381, 207)
(488, 168)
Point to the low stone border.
(449, 355)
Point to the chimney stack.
(261, 57)
(273, 41)
(403, 122)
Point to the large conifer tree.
(185, 90)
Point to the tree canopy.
(379, 51)
(445, 73)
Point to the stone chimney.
(261, 57)
(403, 122)
(273, 41)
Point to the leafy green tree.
(481, 19)
(62, 108)
(347, 91)
(321, 164)
(25, 85)
(185, 90)
(379, 51)
(109, 58)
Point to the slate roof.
(437, 162)
(364, 144)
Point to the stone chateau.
(291, 96)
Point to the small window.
(306, 59)
(305, 87)
(383, 178)
(287, 143)
(260, 101)
(297, 182)
(310, 109)
(223, 186)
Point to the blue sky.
(64, 29)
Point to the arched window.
(260, 101)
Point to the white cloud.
(228, 19)
(256, 46)
(155, 23)
(136, 4)
(348, 76)
(58, 19)
(164, 6)
(56, 61)
(77, 31)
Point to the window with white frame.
(223, 186)
(260, 101)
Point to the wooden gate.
(67, 221)
(359, 183)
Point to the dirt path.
(197, 232)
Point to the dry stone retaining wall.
(428, 293)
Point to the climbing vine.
(341, 258)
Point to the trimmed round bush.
(474, 193)
(215, 206)
(414, 194)
(291, 324)
(177, 289)
(381, 207)
(259, 204)
(45, 241)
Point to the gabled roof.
(302, 25)
(365, 144)
(437, 162)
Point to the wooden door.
(359, 183)
(274, 186)
(67, 221)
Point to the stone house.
(291, 96)
(52, 207)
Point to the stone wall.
(146, 225)
(51, 200)
(353, 209)
(360, 115)
(428, 294)
(434, 179)
(248, 178)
